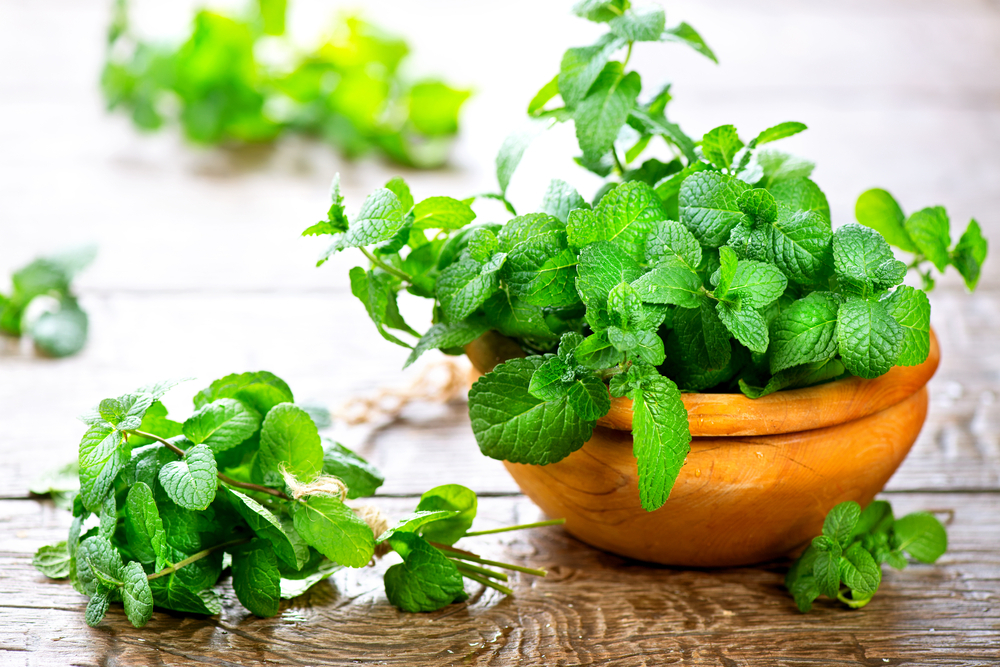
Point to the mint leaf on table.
(928, 228)
(267, 526)
(414, 522)
(805, 332)
(685, 34)
(53, 560)
(442, 213)
(511, 424)
(708, 206)
(560, 198)
(362, 478)
(426, 580)
(921, 535)
(869, 339)
(143, 525)
(860, 572)
(601, 114)
(289, 441)
(191, 482)
(721, 145)
(222, 424)
(256, 578)
(969, 254)
(639, 24)
(581, 67)
(912, 310)
(333, 529)
(170, 593)
(453, 498)
(448, 335)
(826, 567)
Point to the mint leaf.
(685, 34)
(465, 285)
(600, 11)
(597, 353)
(289, 441)
(928, 228)
(639, 24)
(805, 375)
(170, 593)
(143, 525)
(510, 424)
(801, 194)
(601, 114)
(602, 267)
(840, 522)
(53, 560)
(256, 579)
(442, 213)
(551, 381)
(868, 337)
(98, 565)
(399, 188)
(759, 204)
(452, 498)
(588, 397)
(336, 218)
(969, 254)
(708, 206)
(375, 291)
(921, 535)
(757, 284)
(657, 124)
(826, 567)
(863, 260)
(136, 595)
(446, 335)
(676, 285)
(222, 424)
(627, 215)
(380, 217)
(671, 241)
(267, 526)
(97, 608)
(779, 131)
(581, 67)
(513, 317)
(60, 333)
(104, 451)
(191, 482)
(721, 145)
(805, 332)
(702, 337)
(426, 580)
(724, 275)
(662, 440)
(912, 310)
(362, 478)
(877, 209)
(333, 529)
(259, 390)
(560, 198)
(542, 97)
(746, 324)
(482, 245)
(860, 572)
(413, 522)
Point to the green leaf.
(672, 242)
(61, 333)
(514, 318)
(136, 595)
(581, 67)
(602, 267)
(969, 254)
(289, 440)
(877, 209)
(413, 522)
(292, 588)
(336, 221)
(639, 24)
(465, 285)
(661, 438)
(685, 34)
(560, 198)
(256, 578)
(928, 228)
(724, 275)
(191, 482)
(511, 424)
(442, 213)
(399, 188)
(380, 217)
(779, 131)
(864, 261)
(597, 353)
(222, 424)
(779, 167)
(108, 516)
(859, 571)
(104, 451)
(757, 284)
(644, 345)
(542, 97)
(826, 567)
(426, 580)
(551, 381)
(868, 337)
(602, 113)
(259, 390)
(746, 324)
(801, 194)
(721, 145)
(97, 608)
(805, 375)
(170, 592)
(677, 285)
(657, 124)
(627, 215)
(805, 332)
(446, 335)
(362, 478)
(482, 245)
(708, 206)
(143, 525)
(703, 338)
(267, 526)
(840, 522)
(379, 297)
(512, 150)
(921, 535)
(912, 310)
(98, 565)
(588, 397)
(759, 204)
(53, 560)
(333, 529)
(453, 498)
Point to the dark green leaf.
(921, 535)
(256, 578)
(662, 439)
(426, 580)
(362, 478)
(860, 572)
(868, 337)
(452, 498)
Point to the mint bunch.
(60, 329)
(348, 91)
(717, 270)
(844, 563)
(245, 484)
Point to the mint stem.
(198, 556)
(465, 555)
(484, 581)
(480, 570)
(523, 526)
(172, 447)
(385, 267)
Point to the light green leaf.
(560, 198)
(801, 194)
(805, 332)
(589, 398)
(921, 535)
(928, 228)
(603, 266)
(53, 560)
(601, 114)
(912, 310)
(779, 131)
(746, 324)
(671, 241)
(685, 34)
(399, 188)
(512, 150)
(380, 217)
(542, 97)
(259, 390)
(143, 525)
(60, 333)
(627, 215)
(759, 204)
(859, 571)
(757, 284)
(362, 478)
(289, 440)
(864, 261)
(708, 206)
(639, 24)
(97, 608)
(266, 525)
(222, 424)
(721, 145)
(333, 529)
(104, 451)
(465, 285)
(581, 67)
(442, 213)
(136, 595)
(868, 337)
(191, 482)
(969, 254)
(661, 438)
(677, 285)
(446, 335)
(452, 498)
(877, 209)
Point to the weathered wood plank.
(593, 609)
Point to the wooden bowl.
(761, 475)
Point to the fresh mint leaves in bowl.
(688, 298)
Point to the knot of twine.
(322, 485)
(378, 522)
(438, 382)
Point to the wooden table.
(201, 273)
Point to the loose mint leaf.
(779, 131)
(805, 332)
(362, 478)
(426, 580)
(136, 595)
(222, 424)
(581, 67)
(442, 213)
(60, 333)
(256, 578)
(863, 260)
(708, 206)
(928, 228)
(512, 150)
(702, 337)
(876, 517)
(685, 34)
(639, 24)
(53, 560)
(260, 390)
(465, 285)
(104, 451)
(143, 525)
(868, 337)
(912, 310)
(97, 608)
(191, 482)
(378, 297)
(602, 113)
(627, 215)
(969, 254)
(333, 529)
(560, 198)
(746, 324)
(840, 522)
(759, 204)
(453, 498)
(721, 145)
(860, 572)
(380, 217)
(677, 285)
(597, 353)
(289, 440)
(603, 266)
(267, 526)
(413, 522)
(399, 188)
(921, 535)
(877, 209)
(662, 440)
(672, 241)
(511, 424)
(445, 335)
(588, 397)
(801, 194)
